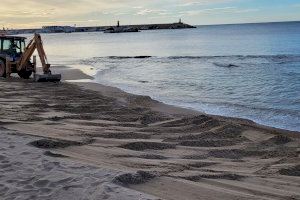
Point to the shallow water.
(250, 71)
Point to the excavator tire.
(2, 68)
(25, 74)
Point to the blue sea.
(249, 71)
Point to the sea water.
(249, 71)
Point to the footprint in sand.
(2, 157)
(30, 170)
(17, 163)
(49, 166)
(25, 182)
(61, 182)
(108, 189)
(28, 187)
(5, 161)
(5, 166)
(72, 187)
(11, 181)
(3, 190)
(25, 153)
(45, 190)
(41, 183)
(94, 184)
(105, 195)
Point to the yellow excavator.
(16, 58)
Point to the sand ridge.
(153, 148)
(26, 173)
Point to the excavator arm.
(34, 44)
(24, 67)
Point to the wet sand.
(96, 142)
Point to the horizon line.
(267, 22)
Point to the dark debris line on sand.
(125, 135)
(277, 140)
(144, 156)
(133, 179)
(292, 171)
(55, 143)
(55, 155)
(141, 146)
(225, 176)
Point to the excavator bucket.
(47, 77)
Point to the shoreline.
(75, 75)
(98, 87)
(99, 142)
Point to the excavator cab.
(15, 57)
(13, 46)
(11, 49)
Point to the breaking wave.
(281, 59)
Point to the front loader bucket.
(47, 77)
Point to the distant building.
(3, 31)
(58, 29)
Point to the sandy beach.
(88, 141)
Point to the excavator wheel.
(2, 69)
(24, 74)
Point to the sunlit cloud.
(216, 10)
(201, 2)
(149, 11)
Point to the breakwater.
(62, 29)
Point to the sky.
(37, 13)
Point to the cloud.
(31, 13)
(216, 11)
(137, 7)
(246, 10)
(149, 11)
(207, 10)
(202, 2)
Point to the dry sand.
(89, 141)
